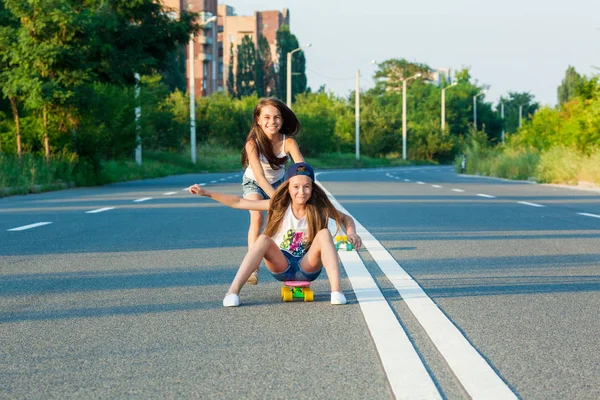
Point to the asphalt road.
(468, 288)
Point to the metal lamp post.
(444, 104)
(357, 112)
(404, 112)
(475, 107)
(192, 90)
(289, 74)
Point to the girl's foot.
(231, 300)
(338, 298)
(253, 279)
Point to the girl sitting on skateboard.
(296, 243)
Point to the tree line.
(254, 71)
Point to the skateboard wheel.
(349, 246)
(338, 238)
(309, 295)
(286, 294)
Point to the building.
(204, 46)
(233, 28)
(436, 75)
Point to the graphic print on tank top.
(293, 242)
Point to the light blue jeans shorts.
(250, 186)
(294, 272)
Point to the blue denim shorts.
(294, 272)
(250, 186)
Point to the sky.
(509, 45)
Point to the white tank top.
(292, 234)
(272, 175)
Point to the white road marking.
(486, 196)
(436, 186)
(407, 180)
(476, 376)
(530, 204)
(213, 181)
(142, 199)
(22, 228)
(458, 190)
(404, 369)
(420, 183)
(169, 193)
(99, 210)
(589, 215)
(222, 179)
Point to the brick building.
(206, 59)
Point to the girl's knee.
(324, 234)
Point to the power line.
(329, 77)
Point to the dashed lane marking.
(589, 215)
(25, 227)
(99, 210)
(530, 204)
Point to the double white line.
(406, 373)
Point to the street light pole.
(357, 114)
(289, 74)
(521, 115)
(502, 116)
(475, 107)
(192, 89)
(444, 104)
(404, 113)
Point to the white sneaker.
(231, 300)
(338, 298)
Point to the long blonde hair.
(318, 211)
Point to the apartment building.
(204, 46)
(211, 46)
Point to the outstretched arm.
(231, 200)
(350, 228)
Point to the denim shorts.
(250, 186)
(294, 272)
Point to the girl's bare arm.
(231, 200)
(350, 228)
(293, 150)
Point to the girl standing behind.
(268, 145)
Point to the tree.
(390, 73)
(265, 68)
(64, 45)
(287, 42)
(246, 68)
(10, 78)
(230, 74)
(570, 85)
(511, 109)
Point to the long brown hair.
(290, 127)
(318, 211)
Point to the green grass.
(32, 174)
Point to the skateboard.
(297, 290)
(342, 243)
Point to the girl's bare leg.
(263, 247)
(322, 252)
(256, 223)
